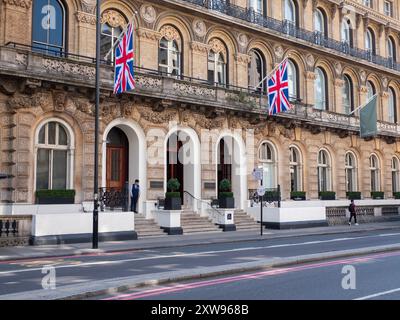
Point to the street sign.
(261, 191)
(258, 174)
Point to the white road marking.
(378, 294)
(107, 262)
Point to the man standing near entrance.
(135, 196)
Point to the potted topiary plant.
(225, 199)
(55, 196)
(173, 197)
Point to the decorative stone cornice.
(148, 34)
(217, 46)
(87, 18)
(19, 3)
(170, 33)
(88, 5)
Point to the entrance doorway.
(175, 167)
(224, 163)
(117, 159)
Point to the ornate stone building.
(199, 73)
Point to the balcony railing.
(154, 84)
(290, 29)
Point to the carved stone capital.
(310, 75)
(242, 58)
(363, 89)
(148, 34)
(339, 82)
(19, 3)
(88, 6)
(86, 18)
(199, 47)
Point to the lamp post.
(95, 238)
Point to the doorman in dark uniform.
(135, 196)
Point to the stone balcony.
(79, 72)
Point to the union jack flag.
(124, 59)
(278, 90)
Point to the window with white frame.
(53, 157)
(395, 175)
(351, 172)
(290, 12)
(257, 6)
(293, 80)
(320, 90)
(392, 114)
(216, 68)
(295, 167)
(375, 173)
(391, 50)
(367, 3)
(319, 22)
(346, 32)
(256, 71)
(324, 171)
(370, 89)
(267, 159)
(347, 93)
(169, 57)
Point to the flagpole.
(95, 237)
(362, 106)
(120, 36)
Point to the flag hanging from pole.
(368, 119)
(278, 89)
(124, 79)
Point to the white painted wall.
(168, 218)
(282, 215)
(78, 223)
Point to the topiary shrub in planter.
(55, 196)
(298, 195)
(225, 198)
(173, 198)
(396, 195)
(327, 195)
(377, 195)
(353, 195)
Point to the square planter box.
(328, 197)
(226, 203)
(172, 204)
(55, 200)
(298, 198)
(354, 196)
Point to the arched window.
(257, 6)
(347, 35)
(293, 80)
(391, 50)
(256, 70)
(320, 90)
(48, 23)
(53, 157)
(370, 43)
(375, 173)
(169, 57)
(320, 25)
(291, 12)
(217, 63)
(296, 177)
(112, 25)
(267, 158)
(348, 104)
(392, 106)
(395, 175)
(324, 171)
(351, 172)
(370, 89)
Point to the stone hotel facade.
(199, 73)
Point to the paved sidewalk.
(29, 252)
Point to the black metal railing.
(271, 195)
(292, 30)
(8, 227)
(113, 198)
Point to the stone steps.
(244, 222)
(147, 228)
(193, 223)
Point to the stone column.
(199, 60)
(336, 20)
(338, 96)
(242, 62)
(148, 48)
(309, 87)
(86, 34)
(16, 22)
(383, 114)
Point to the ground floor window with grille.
(324, 171)
(374, 169)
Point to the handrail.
(201, 200)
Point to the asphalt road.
(376, 277)
(21, 276)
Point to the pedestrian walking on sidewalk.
(352, 209)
